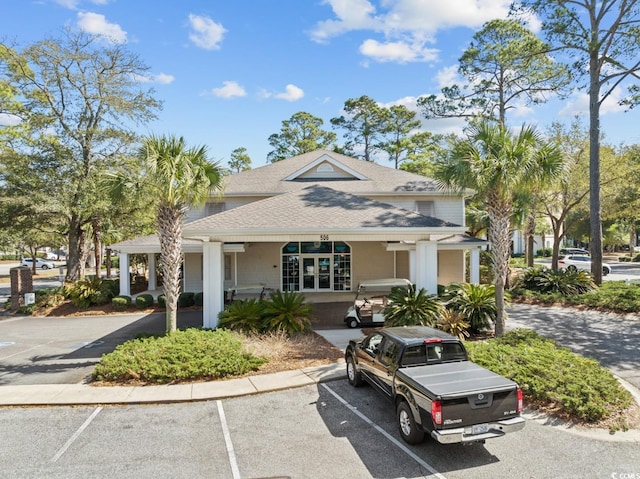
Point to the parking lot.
(326, 431)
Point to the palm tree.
(500, 166)
(178, 178)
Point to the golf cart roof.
(374, 284)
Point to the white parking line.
(26, 350)
(395, 442)
(227, 440)
(76, 435)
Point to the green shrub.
(453, 323)
(27, 310)
(476, 303)
(198, 299)
(121, 303)
(565, 282)
(144, 301)
(614, 296)
(577, 386)
(162, 301)
(408, 306)
(287, 312)
(178, 356)
(545, 252)
(186, 299)
(87, 291)
(244, 315)
(111, 287)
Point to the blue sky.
(230, 71)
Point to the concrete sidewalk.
(83, 394)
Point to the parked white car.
(40, 263)
(573, 262)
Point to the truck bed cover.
(454, 379)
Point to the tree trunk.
(75, 255)
(500, 218)
(595, 242)
(108, 262)
(170, 231)
(96, 223)
(530, 232)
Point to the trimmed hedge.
(144, 301)
(186, 299)
(121, 303)
(198, 298)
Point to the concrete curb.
(84, 394)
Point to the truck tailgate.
(469, 394)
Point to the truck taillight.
(520, 402)
(436, 412)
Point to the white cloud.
(396, 52)
(230, 89)
(351, 15)
(405, 26)
(97, 24)
(161, 78)
(448, 76)
(6, 119)
(291, 93)
(578, 104)
(205, 32)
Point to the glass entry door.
(316, 273)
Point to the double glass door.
(316, 273)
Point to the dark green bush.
(545, 252)
(111, 287)
(550, 374)
(287, 312)
(409, 306)
(476, 303)
(198, 299)
(186, 299)
(178, 356)
(144, 301)
(564, 282)
(244, 315)
(162, 301)
(121, 303)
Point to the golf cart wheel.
(352, 323)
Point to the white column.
(427, 266)
(152, 271)
(212, 283)
(125, 279)
(474, 266)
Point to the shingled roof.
(364, 177)
(314, 207)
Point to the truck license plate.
(479, 428)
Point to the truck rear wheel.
(409, 430)
(353, 375)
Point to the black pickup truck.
(427, 374)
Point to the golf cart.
(244, 291)
(371, 299)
